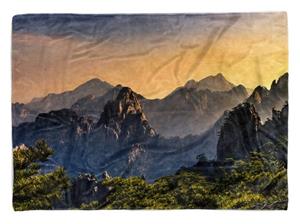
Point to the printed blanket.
(150, 111)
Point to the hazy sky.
(153, 54)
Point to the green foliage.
(257, 183)
(254, 183)
(90, 206)
(186, 190)
(33, 189)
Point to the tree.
(32, 188)
(259, 182)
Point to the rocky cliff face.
(62, 129)
(125, 118)
(121, 142)
(238, 135)
(92, 106)
(124, 141)
(181, 112)
(242, 133)
(178, 114)
(84, 189)
(258, 94)
(265, 100)
(274, 133)
(122, 124)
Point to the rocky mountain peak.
(191, 84)
(126, 103)
(265, 100)
(93, 83)
(258, 94)
(219, 76)
(58, 101)
(240, 89)
(280, 87)
(242, 133)
(126, 118)
(127, 95)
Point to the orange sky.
(250, 49)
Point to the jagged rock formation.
(278, 125)
(242, 133)
(179, 113)
(62, 129)
(93, 106)
(84, 189)
(122, 142)
(176, 115)
(275, 131)
(265, 100)
(258, 94)
(238, 135)
(126, 119)
(122, 124)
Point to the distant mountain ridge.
(213, 83)
(265, 100)
(179, 113)
(56, 101)
(124, 142)
(66, 99)
(183, 108)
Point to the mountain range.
(265, 100)
(178, 114)
(119, 131)
(121, 142)
(242, 132)
(28, 112)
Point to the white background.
(10, 8)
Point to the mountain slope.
(93, 106)
(213, 83)
(122, 142)
(238, 134)
(28, 112)
(125, 117)
(265, 100)
(191, 109)
(52, 101)
(80, 143)
(242, 133)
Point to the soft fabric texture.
(157, 111)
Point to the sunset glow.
(152, 56)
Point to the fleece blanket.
(150, 111)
